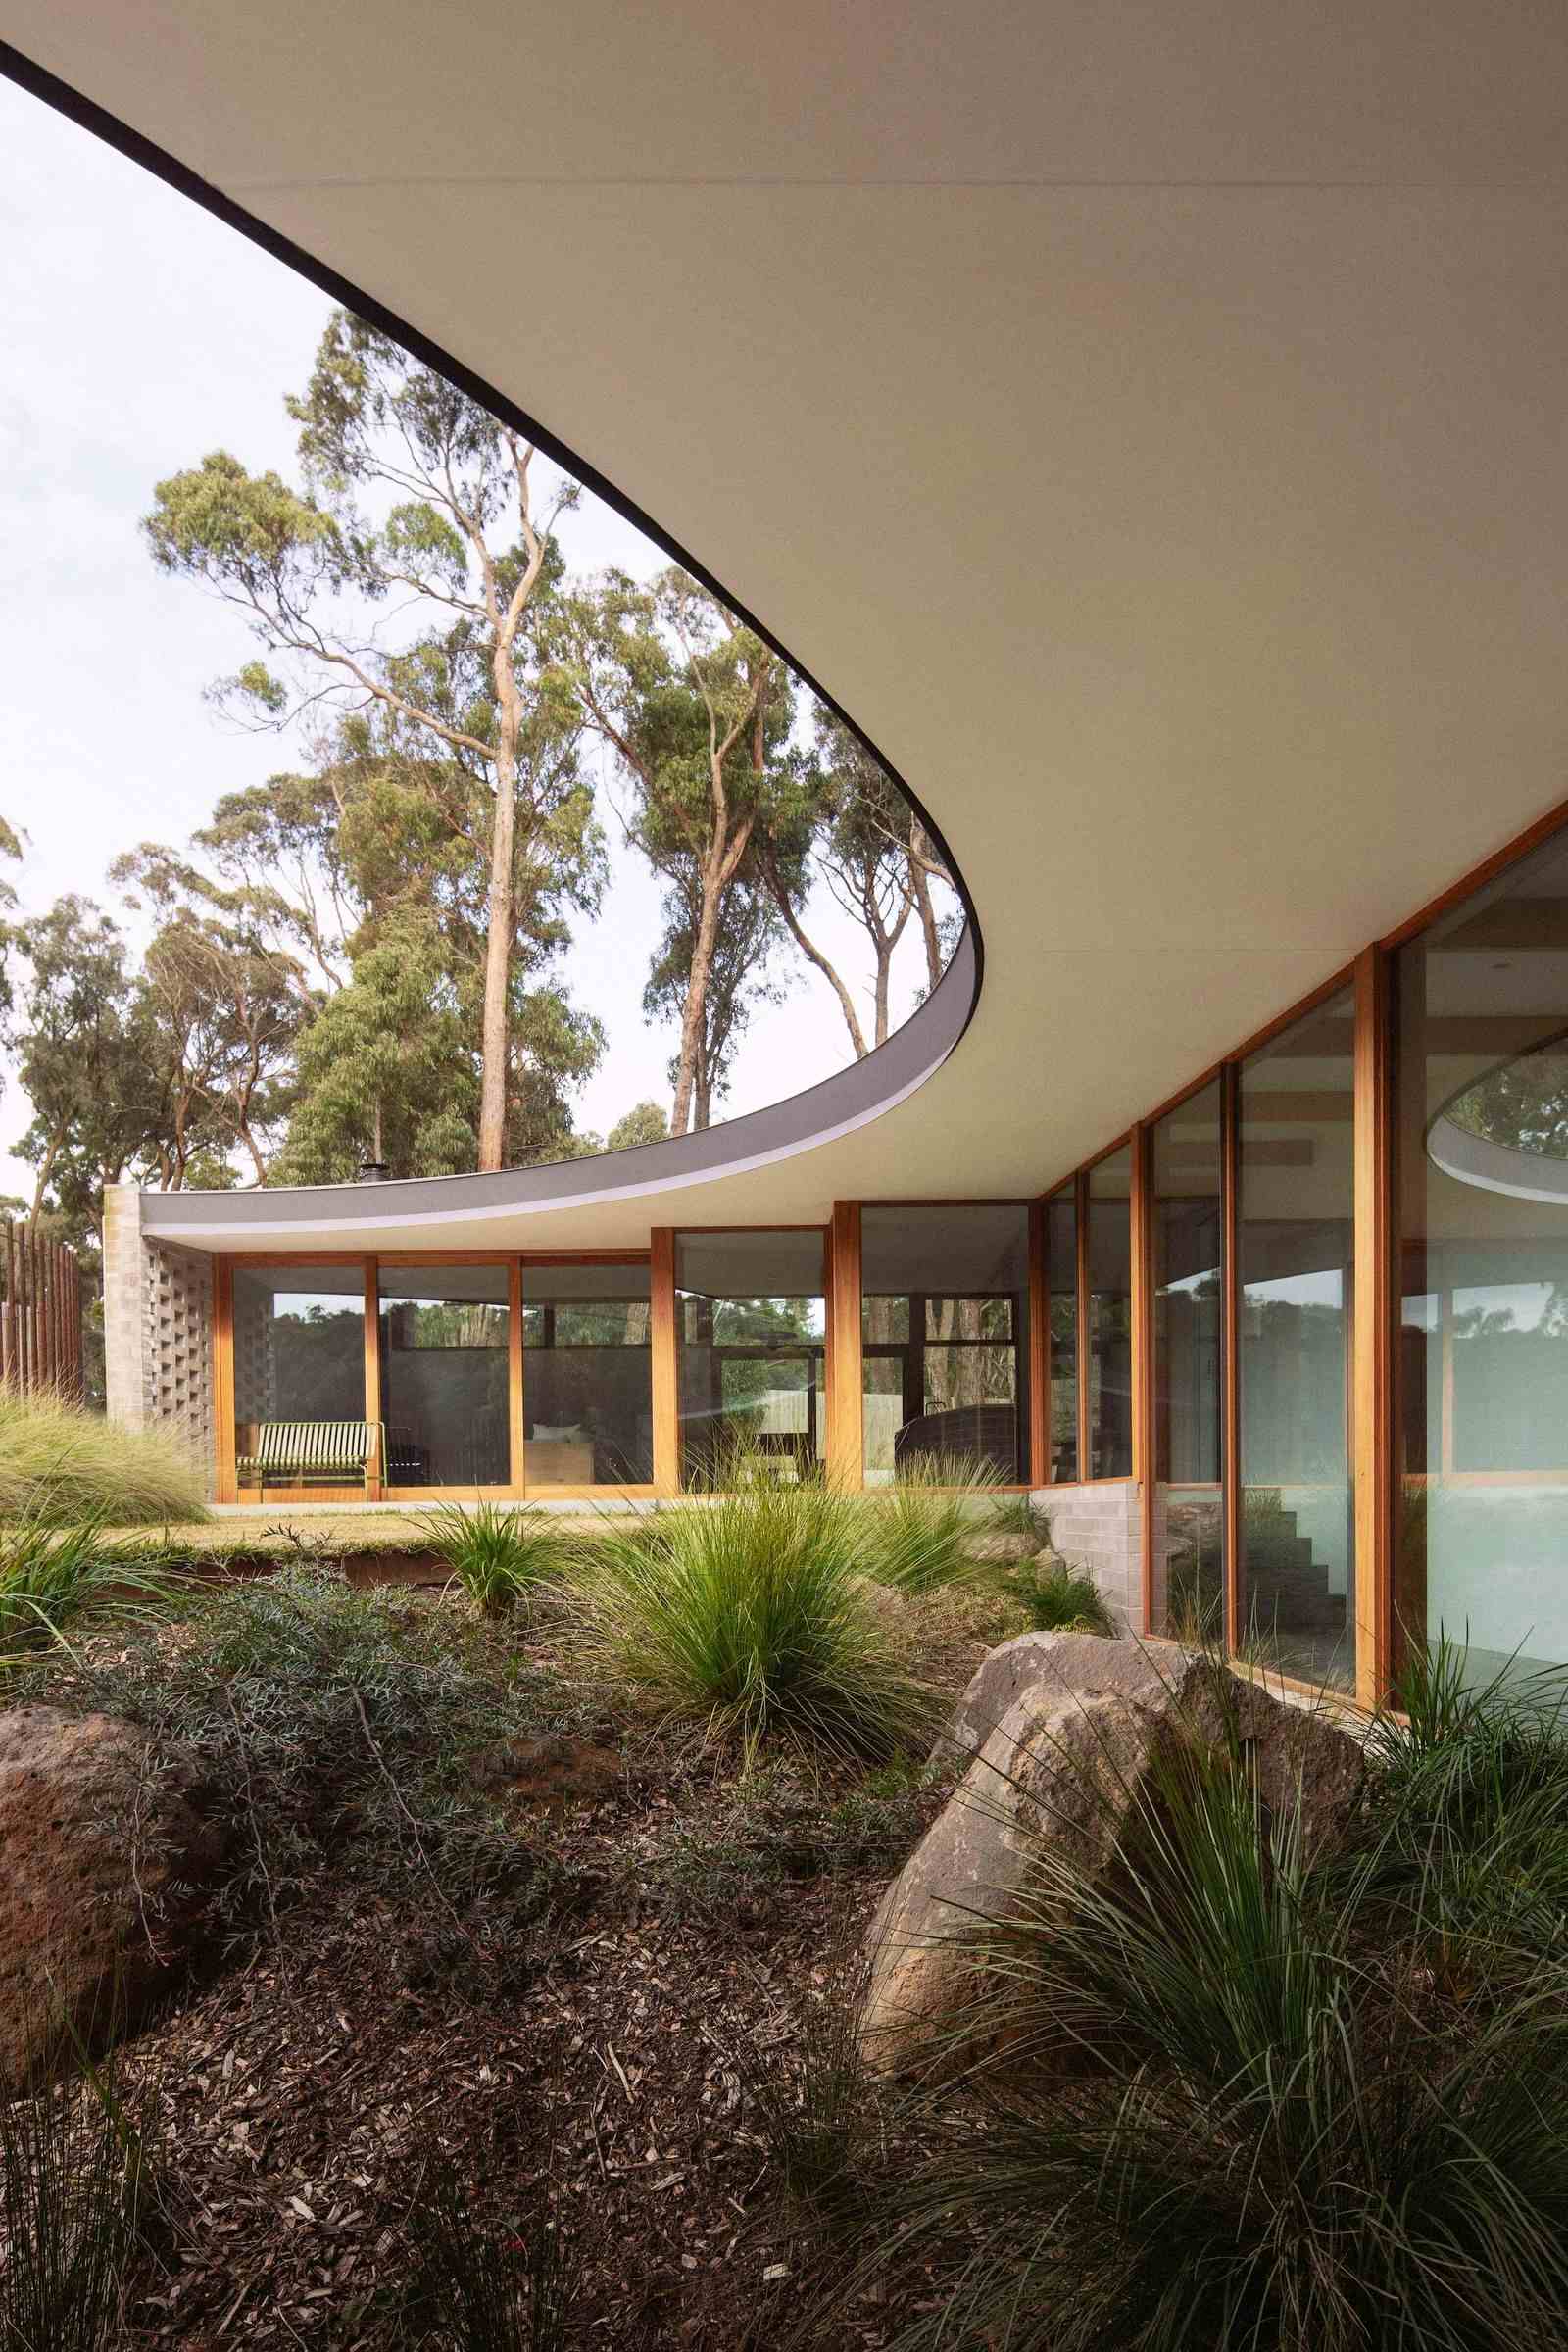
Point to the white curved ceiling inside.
(1147, 423)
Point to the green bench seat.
(323, 1454)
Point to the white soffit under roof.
(1147, 421)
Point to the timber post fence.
(40, 1317)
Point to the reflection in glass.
(944, 1336)
(299, 1357)
(1295, 1243)
(750, 1317)
(1062, 1285)
(444, 1334)
(587, 1377)
(1188, 1595)
(1111, 1317)
(1483, 1191)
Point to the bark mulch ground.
(309, 2090)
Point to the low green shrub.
(919, 1533)
(1057, 1598)
(749, 1611)
(340, 1730)
(780, 1826)
(58, 1582)
(1251, 2095)
(498, 1557)
(61, 1463)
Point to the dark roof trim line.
(47, 86)
(338, 1215)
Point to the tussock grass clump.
(1016, 1516)
(812, 2097)
(749, 1611)
(77, 2200)
(63, 1464)
(58, 1582)
(488, 2289)
(1262, 2098)
(498, 1557)
(1057, 1598)
(919, 1531)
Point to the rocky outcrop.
(103, 1864)
(1068, 1735)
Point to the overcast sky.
(138, 334)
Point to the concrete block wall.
(158, 1332)
(1099, 1528)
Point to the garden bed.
(592, 2028)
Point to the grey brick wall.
(1099, 1528)
(158, 1331)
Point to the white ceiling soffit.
(1146, 422)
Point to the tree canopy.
(363, 955)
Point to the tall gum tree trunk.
(691, 1019)
(498, 938)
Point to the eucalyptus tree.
(742, 974)
(698, 711)
(414, 495)
(84, 1059)
(220, 1013)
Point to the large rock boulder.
(1068, 1737)
(1085, 1664)
(104, 1860)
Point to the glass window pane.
(444, 1335)
(1061, 1282)
(587, 1377)
(750, 1321)
(1189, 1592)
(1111, 1317)
(1294, 1243)
(299, 1357)
(944, 1319)
(1483, 1191)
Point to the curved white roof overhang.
(1146, 423)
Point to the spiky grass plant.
(76, 2199)
(749, 1611)
(1467, 1849)
(813, 2100)
(1238, 2106)
(919, 1533)
(59, 1582)
(60, 1462)
(498, 1557)
(1057, 1598)
(489, 2289)
(1016, 1516)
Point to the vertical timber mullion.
(1080, 1229)
(1372, 1330)
(1039, 1350)
(664, 1367)
(1233, 1566)
(1141, 1217)
(372, 1372)
(516, 1374)
(846, 1452)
